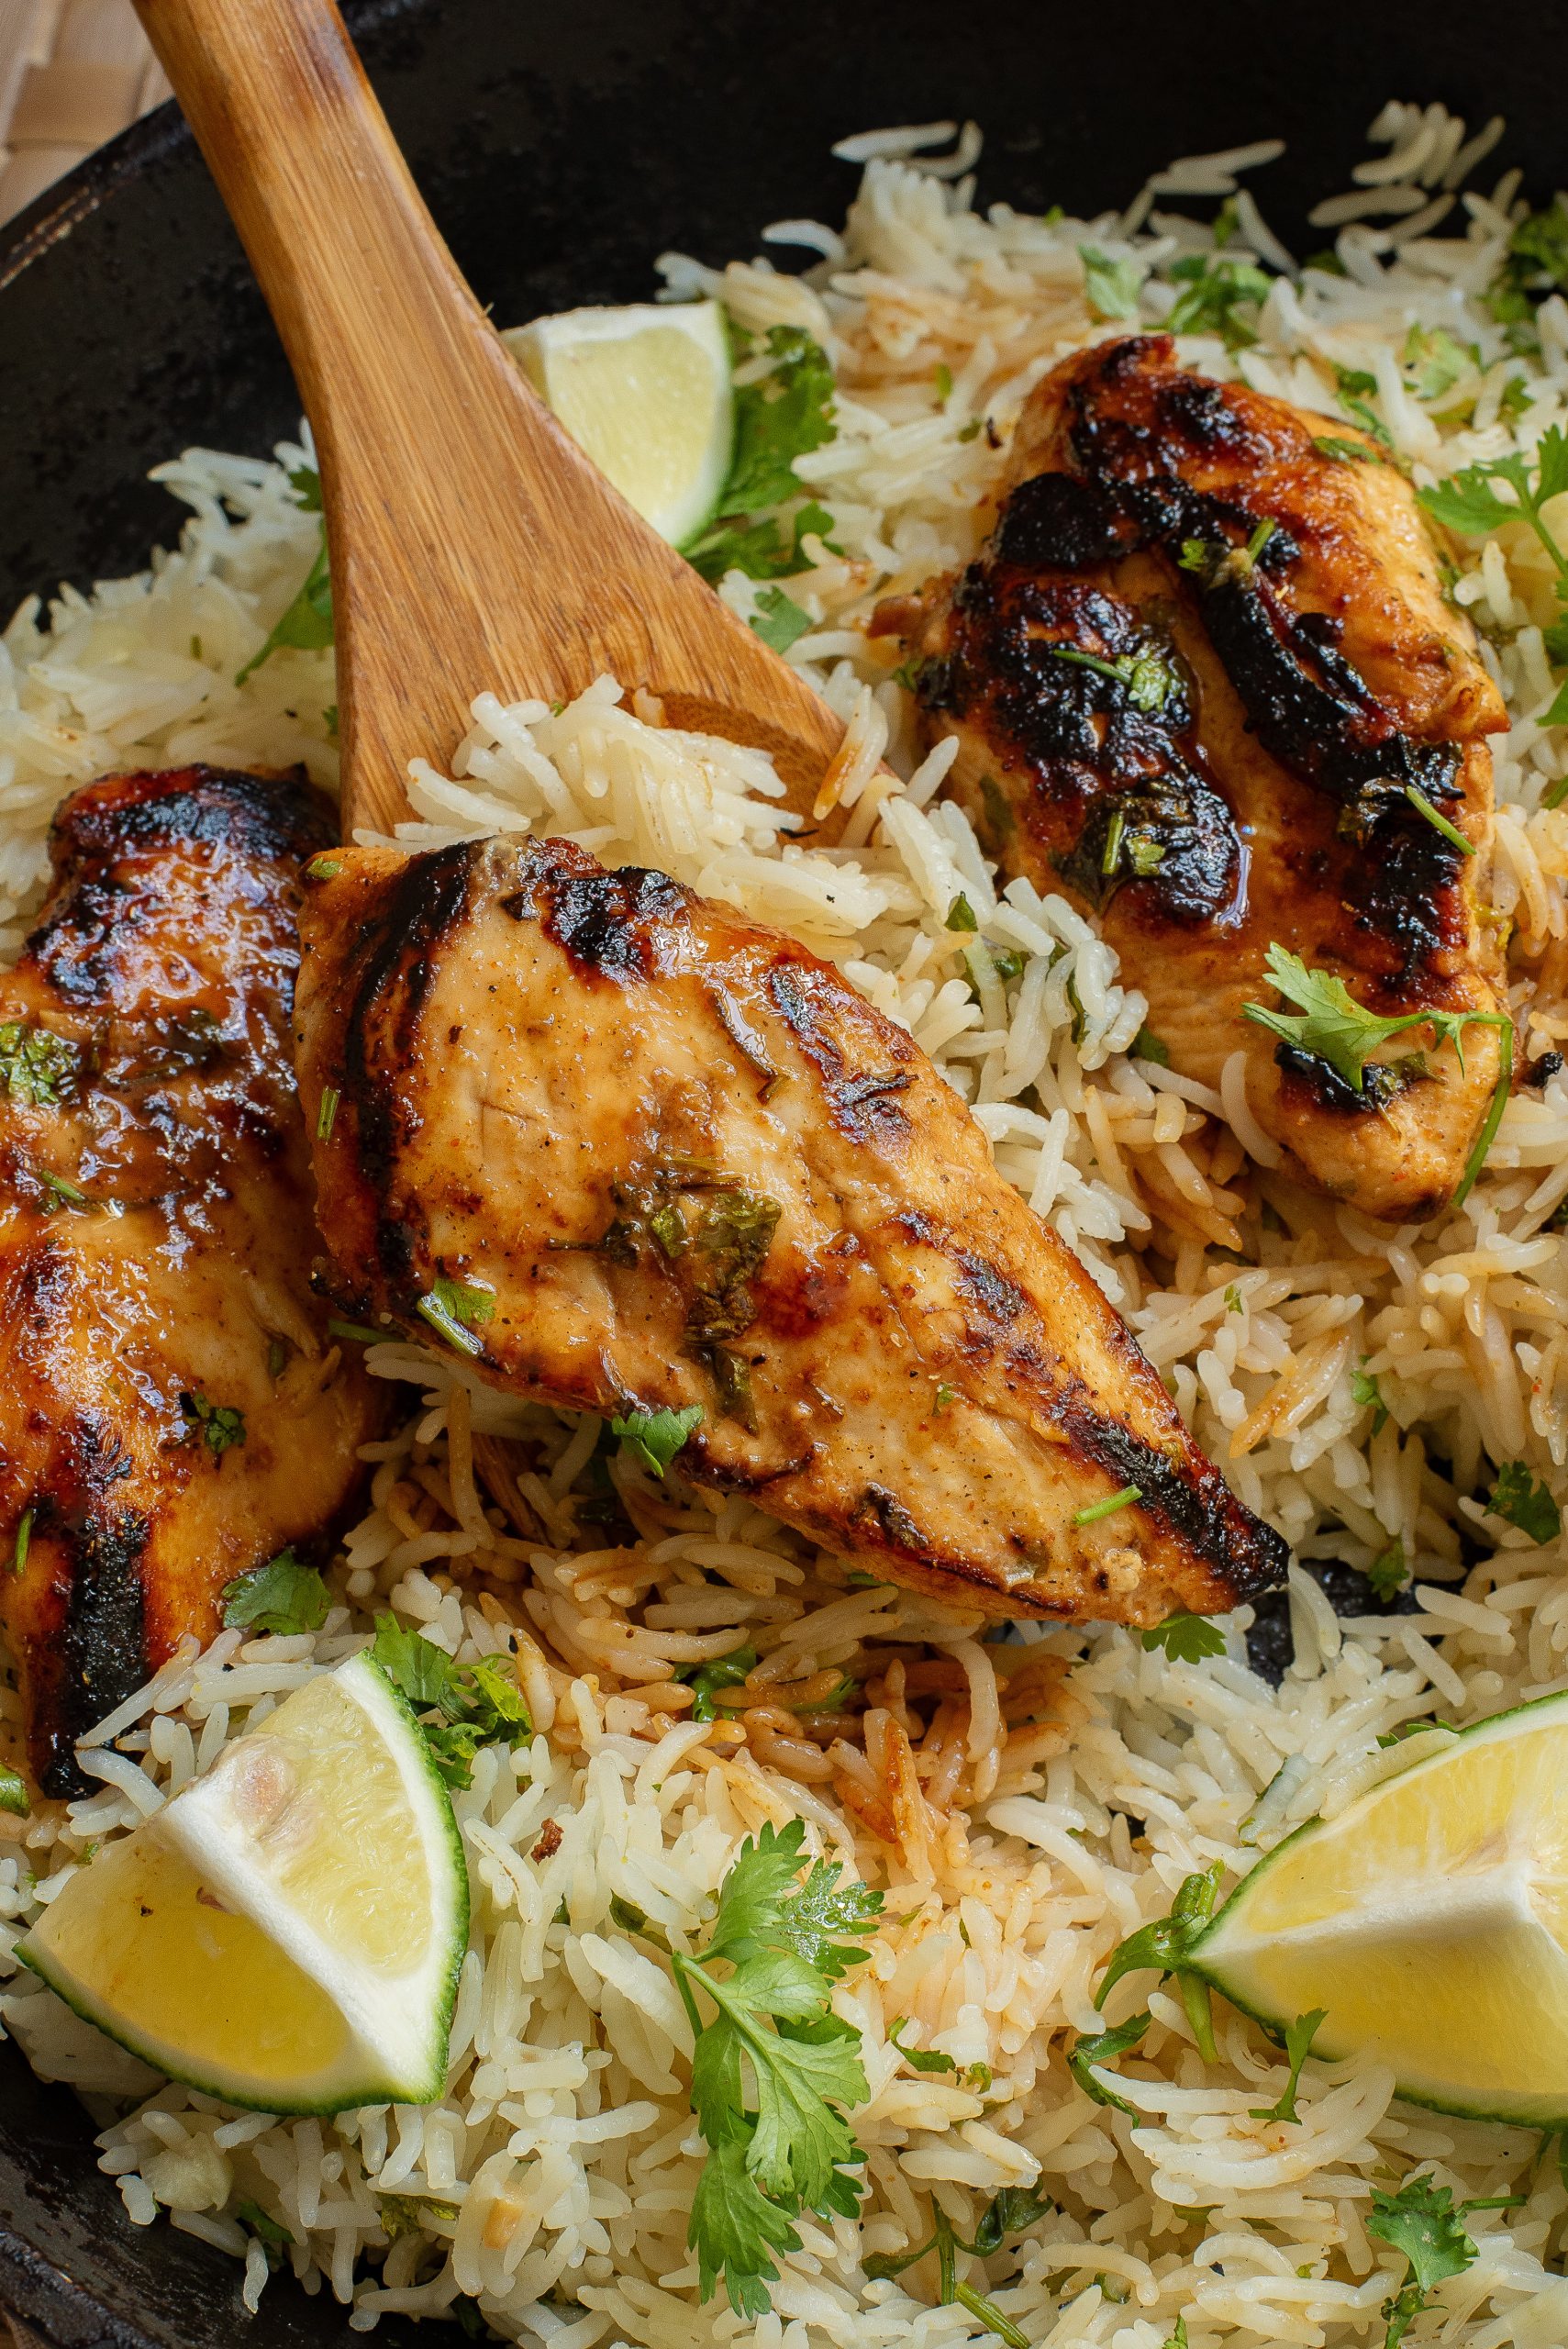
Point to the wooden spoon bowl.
(473, 546)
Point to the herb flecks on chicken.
(697, 1176)
(174, 1411)
(1204, 675)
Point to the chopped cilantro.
(1107, 1508)
(323, 868)
(1011, 2213)
(1187, 1639)
(408, 2214)
(1163, 1945)
(1233, 1304)
(785, 2147)
(18, 1559)
(1437, 821)
(263, 2226)
(1352, 384)
(36, 1066)
(358, 1333)
(787, 414)
(462, 1707)
(1469, 504)
(1519, 1500)
(1331, 1025)
(1148, 680)
(1178, 2339)
(943, 382)
(960, 914)
(1413, 1729)
(1435, 360)
(946, 1396)
(305, 482)
(1103, 2047)
(1421, 2221)
(1298, 2039)
(1110, 287)
(1147, 1046)
(326, 1116)
(221, 1424)
(779, 620)
(706, 1680)
(1389, 1572)
(1347, 452)
(306, 623)
(453, 1308)
(60, 1191)
(1366, 1395)
(919, 2059)
(1214, 294)
(653, 1438)
(13, 1795)
(282, 1596)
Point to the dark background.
(562, 149)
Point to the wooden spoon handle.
(473, 544)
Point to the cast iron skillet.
(562, 147)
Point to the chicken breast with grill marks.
(1203, 677)
(630, 1152)
(173, 1410)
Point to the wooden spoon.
(473, 544)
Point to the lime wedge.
(287, 1932)
(1430, 1920)
(645, 392)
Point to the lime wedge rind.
(184, 1945)
(1447, 1966)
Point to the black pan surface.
(561, 150)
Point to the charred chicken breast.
(631, 1153)
(1203, 678)
(173, 1410)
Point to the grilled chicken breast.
(173, 1410)
(631, 1153)
(1197, 673)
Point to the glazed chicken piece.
(1195, 676)
(173, 1410)
(631, 1153)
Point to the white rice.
(1014, 1859)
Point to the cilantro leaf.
(1110, 287)
(1389, 1571)
(653, 1438)
(1468, 502)
(919, 2059)
(1103, 2047)
(734, 2228)
(1352, 384)
(36, 1066)
(474, 1705)
(786, 1944)
(1178, 2339)
(263, 2225)
(306, 484)
(1011, 2213)
(1163, 1945)
(1366, 1395)
(725, 1671)
(1519, 1500)
(1147, 1046)
(305, 626)
(454, 1308)
(415, 1664)
(1421, 2222)
(779, 620)
(1298, 2039)
(220, 1423)
(1347, 452)
(787, 414)
(1187, 1639)
(961, 914)
(282, 1596)
(1213, 293)
(13, 1795)
(1333, 1027)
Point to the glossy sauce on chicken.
(1197, 675)
(175, 1410)
(631, 1153)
